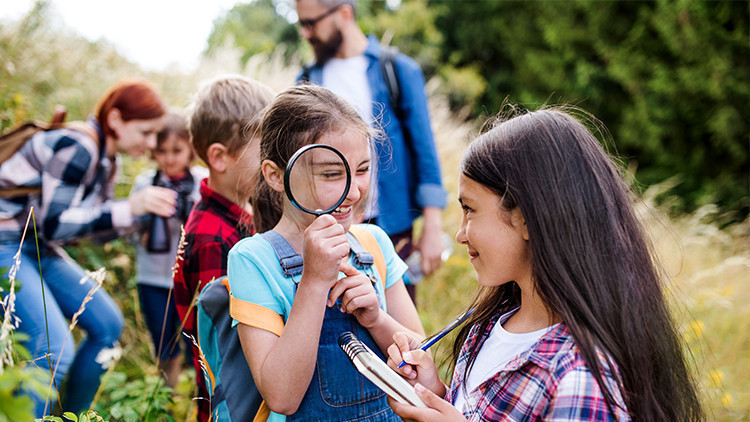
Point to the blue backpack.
(234, 396)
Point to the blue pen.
(429, 341)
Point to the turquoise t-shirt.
(255, 275)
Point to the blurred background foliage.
(669, 79)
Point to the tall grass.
(707, 268)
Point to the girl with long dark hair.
(571, 322)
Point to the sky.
(152, 33)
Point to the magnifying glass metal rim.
(290, 165)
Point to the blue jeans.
(65, 285)
(159, 310)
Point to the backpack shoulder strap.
(13, 140)
(366, 240)
(305, 77)
(388, 69)
(85, 128)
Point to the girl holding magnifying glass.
(290, 337)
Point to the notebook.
(370, 365)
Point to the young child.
(301, 371)
(223, 215)
(571, 322)
(173, 155)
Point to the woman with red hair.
(68, 177)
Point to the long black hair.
(591, 262)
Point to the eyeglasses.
(309, 24)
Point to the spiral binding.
(351, 345)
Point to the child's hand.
(420, 367)
(438, 409)
(358, 296)
(153, 199)
(323, 248)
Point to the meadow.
(706, 268)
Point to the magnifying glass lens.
(318, 180)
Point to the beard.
(324, 50)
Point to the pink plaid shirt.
(550, 381)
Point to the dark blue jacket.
(409, 176)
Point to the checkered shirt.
(550, 381)
(76, 179)
(214, 225)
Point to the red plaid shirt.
(214, 225)
(550, 382)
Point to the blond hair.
(221, 110)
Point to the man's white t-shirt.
(347, 78)
(497, 351)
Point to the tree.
(253, 28)
(668, 78)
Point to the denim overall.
(337, 391)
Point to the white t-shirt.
(497, 351)
(348, 79)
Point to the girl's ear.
(273, 175)
(519, 223)
(217, 155)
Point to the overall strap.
(289, 259)
(367, 241)
(361, 256)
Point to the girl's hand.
(420, 367)
(438, 409)
(358, 296)
(324, 247)
(153, 199)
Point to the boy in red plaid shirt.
(224, 119)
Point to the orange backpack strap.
(263, 413)
(368, 241)
(254, 315)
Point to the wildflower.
(10, 320)
(726, 400)
(717, 376)
(697, 327)
(108, 356)
(180, 251)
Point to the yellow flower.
(697, 327)
(726, 400)
(717, 376)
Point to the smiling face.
(497, 240)
(134, 137)
(318, 178)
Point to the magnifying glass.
(317, 179)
